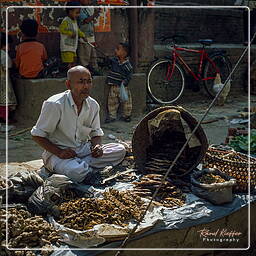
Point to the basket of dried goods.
(5, 184)
(234, 164)
(159, 137)
(213, 185)
(169, 195)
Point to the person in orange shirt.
(30, 54)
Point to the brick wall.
(222, 25)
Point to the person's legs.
(75, 168)
(113, 101)
(68, 59)
(93, 59)
(113, 154)
(84, 52)
(127, 105)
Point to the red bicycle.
(166, 79)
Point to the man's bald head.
(72, 72)
(79, 82)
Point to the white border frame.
(135, 249)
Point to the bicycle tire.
(161, 90)
(224, 66)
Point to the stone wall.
(32, 93)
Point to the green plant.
(241, 143)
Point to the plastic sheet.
(196, 211)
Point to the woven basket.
(234, 164)
(141, 137)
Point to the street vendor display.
(88, 216)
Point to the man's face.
(80, 84)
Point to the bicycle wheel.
(163, 86)
(223, 66)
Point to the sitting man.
(69, 130)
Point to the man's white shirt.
(60, 123)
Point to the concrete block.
(31, 93)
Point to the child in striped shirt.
(120, 74)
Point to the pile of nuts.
(114, 208)
(26, 231)
(169, 195)
(209, 178)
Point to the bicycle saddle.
(205, 41)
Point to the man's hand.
(66, 153)
(97, 151)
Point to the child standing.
(30, 54)
(10, 105)
(69, 34)
(120, 75)
(87, 53)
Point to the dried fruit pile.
(115, 208)
(27, 231)
(209, 178)
(169, 195)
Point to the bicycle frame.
(203, 56)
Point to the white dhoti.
(77, 168)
